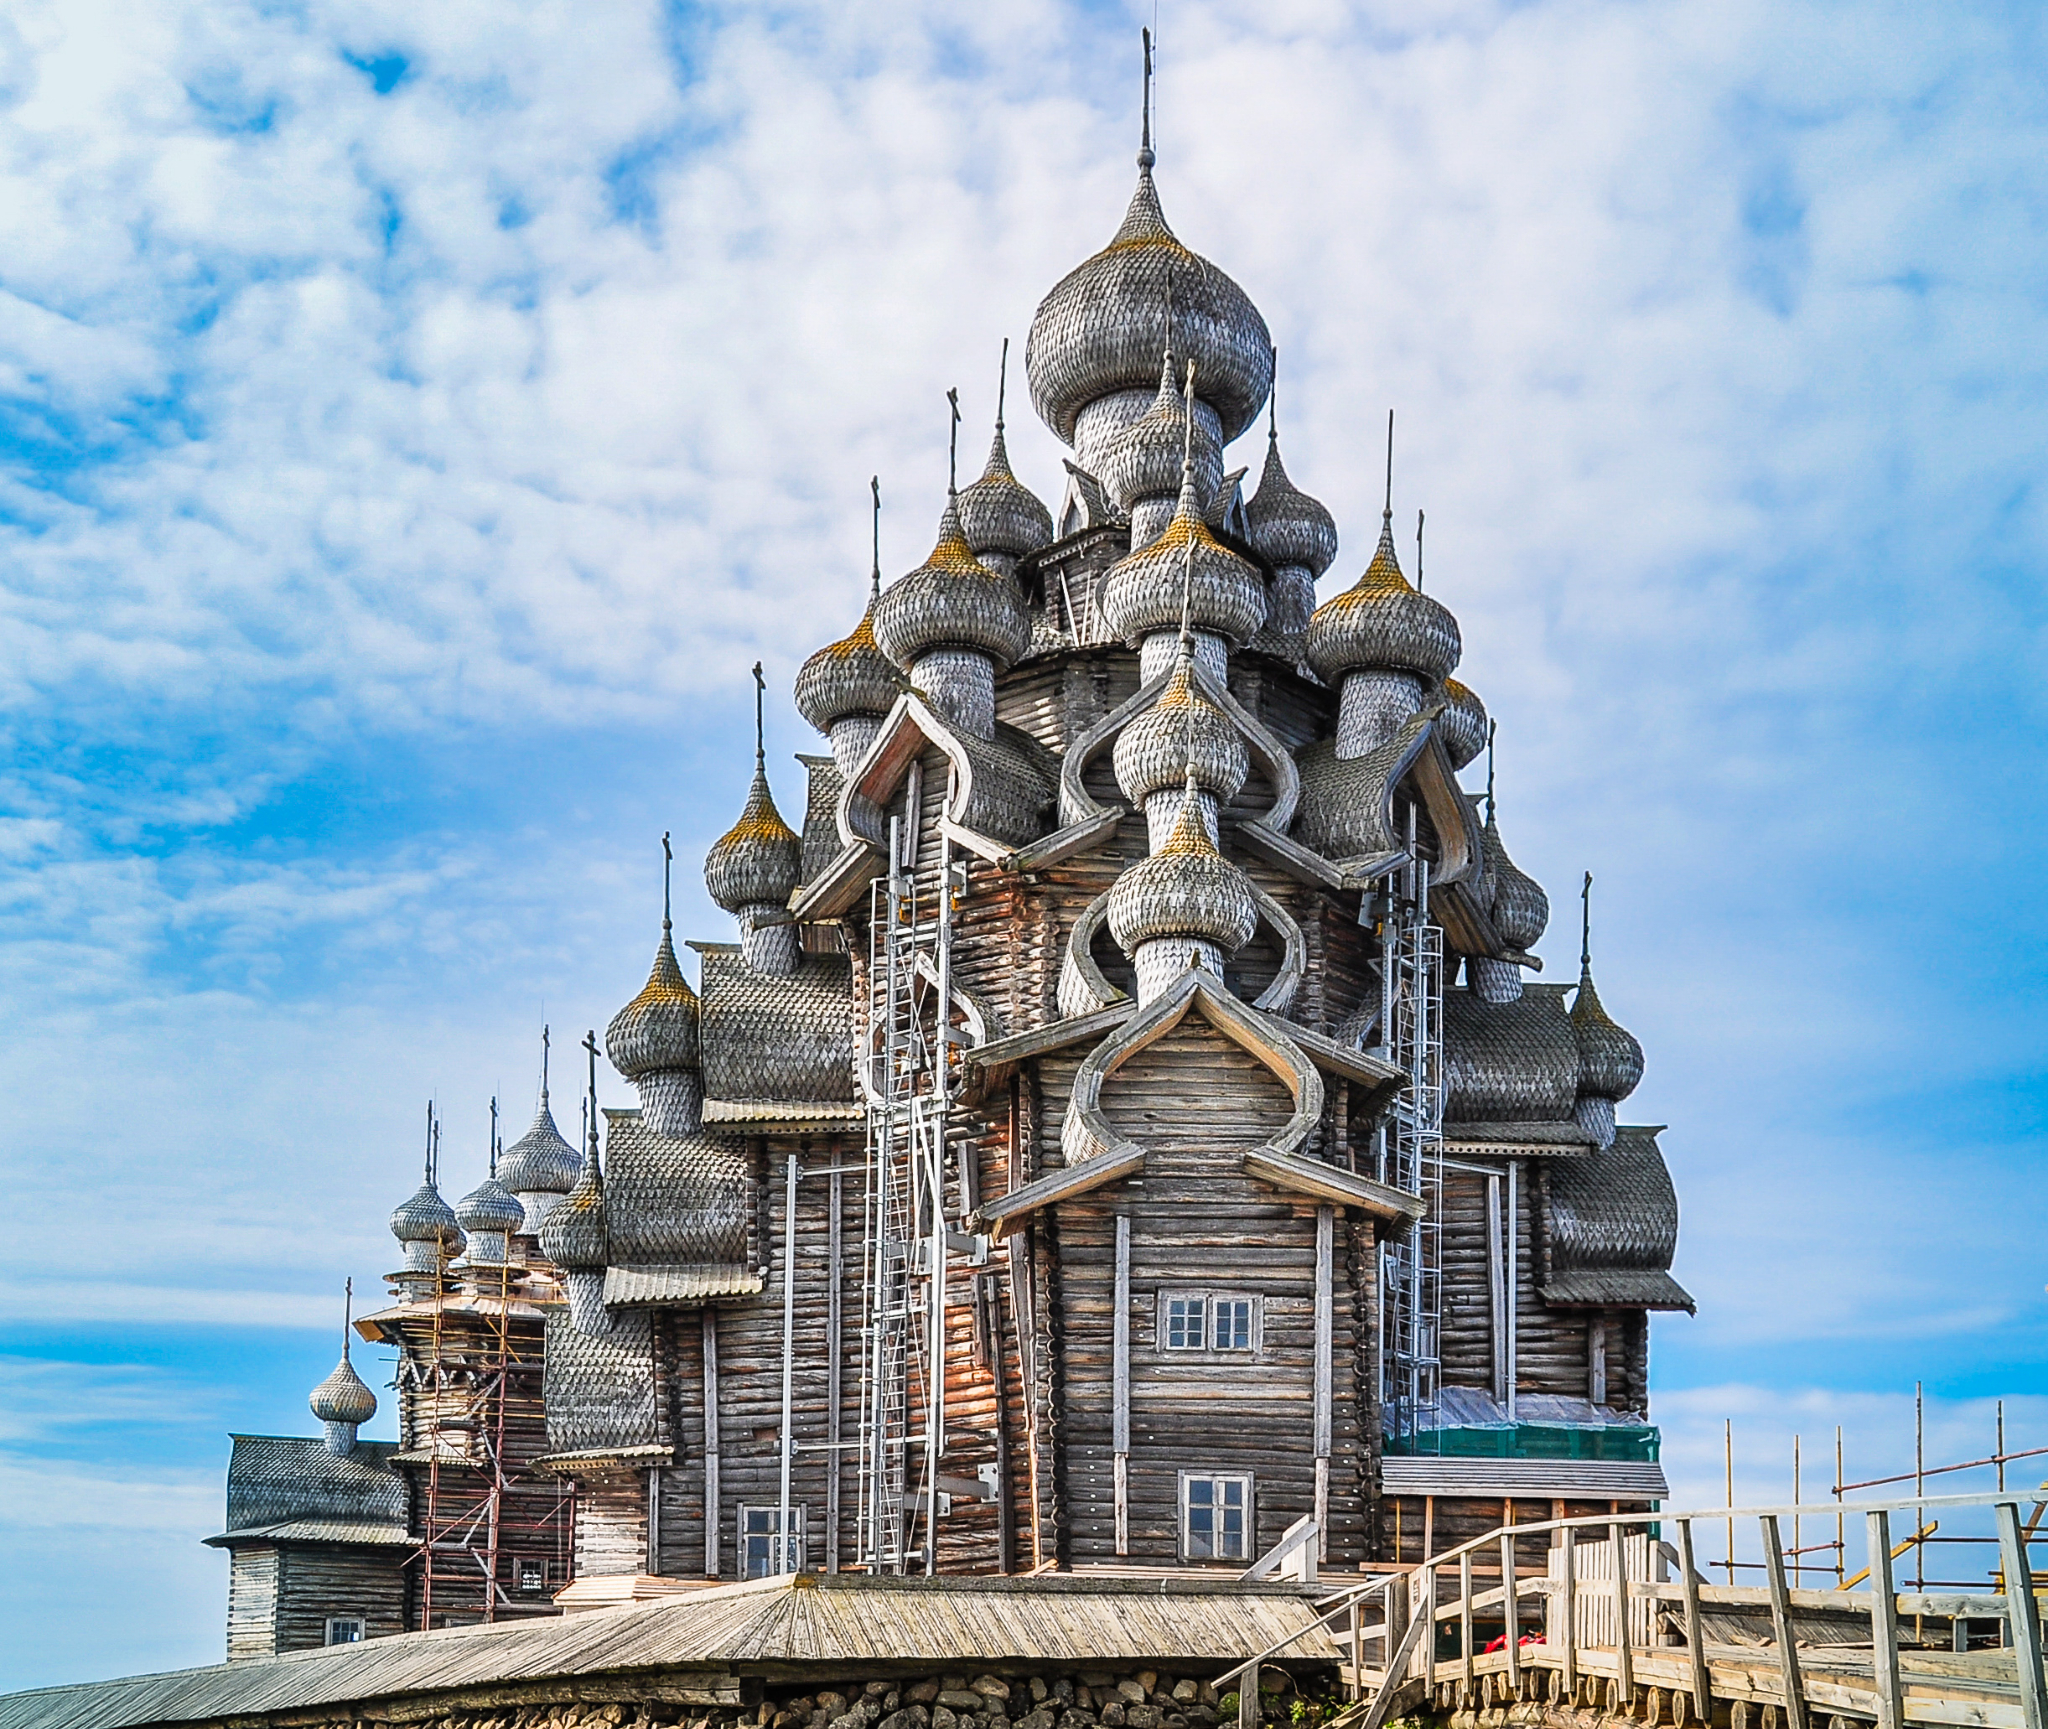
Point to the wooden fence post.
(1624, 1658)
(1781, 1623)
(2022, 1615)
(1513, 1608)
(1465, 1622)
(1702, 1682)
(1568, 1601)
(1884, 1623)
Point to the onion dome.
(1145, 459)
(1521, 910)
(952, 600)
(1186, 889)
(1288, 526)
(999, 513)
(342, 1397)
(756, 862)
(1182, 733)
(426, 1218)
(540, 1162)
(1226, 594)
(490, 1207)
(576, 1235)
(1100, 330)
(1610, 1060)
(1462, 725)
(1383, 623)
(848, 677)
(658, 1028)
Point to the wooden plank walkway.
(1618, 1621)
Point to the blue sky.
(414, 421)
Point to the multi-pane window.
(1215, 1518)
(1208, 1321)
(762, 1554)
(344, 1630)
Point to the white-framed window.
(532, 1572)
(1210, 1322)
(1215, 1517)
(762, 1556)
(344, 1629)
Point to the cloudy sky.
(415, 420)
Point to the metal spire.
(494, 1136)
(590, 1109)
(1492, 727)
(760, 754)
(348, 1304)
(1002, 382)
(1273, 401)
(1418, 552)
(544, 1068)
(668, 857)
(1145, 155)
(1387, 513)
(1586, 927)
(875, 575)
(953, 444)
(430, 1143)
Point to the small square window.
(1186, 1323)
(344, 1630)
(762, 1556)
(1233, 1323)
(1215, 1518)
(533, 1575)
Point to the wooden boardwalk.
(1650, 1639)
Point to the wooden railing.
(1604, 1625)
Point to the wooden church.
(1126, 1126)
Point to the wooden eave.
(835, 889)
(1004, 1215)
(1333, 1183)
(999, 1056)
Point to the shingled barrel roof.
(673, 1200)
(278, 1482)
(775, 1041)
(1611, 1229)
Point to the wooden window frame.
(1251, 1503)
(358, 1622)
(800, 1541)
(1208, 1351)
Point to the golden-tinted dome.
(1382, 623)
(849, 677)
(1103, 327)
(1183, 731)
(1186, 889)
(759, 860)
(1226, 594)
(1462, 725)
(658, 1029)
(952, 600)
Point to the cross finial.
(494, 1136)
(1273, 401)
(1586, 925)
(1387, 513)
(1418, 552)
(668, 858)
(430, 1142)
(760, 752)
(348, 1304)
(1145, 156)
(544, 1041)
(1002, 382)
(875, 575)
(953, 443)
(1492, 727)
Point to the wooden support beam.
(1425, 1655)
(1624, 1656)
(1567, 1603)
(1465, 1622)
(1695, 1640)
(1397, 1660)
(713, 1516)
(1120, 1371)
(1511, 1603)
(1781, 1623)
(835, 1327)
(2023, 1615)
(1326, 1238)
(1884, 1623)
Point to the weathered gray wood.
(1465, 1621)
(1624, 1656)
(1695, 1641)
(1326, 1237)
(1120, 1372)
(1425, 1652)
(1568, 1606)
(714, 1519)
(1781, 1624)
(1512, 1604)
(2023, 1616)
(1248, 1697)
(835, 1327)
(1397, 1660)
(1884, 1623)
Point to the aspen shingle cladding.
(673, 1201)
(1346, 802)
(776, 1041)
(1611, 1228)
(281, 1480)
(1514, 1064)
(821, 814)
(599, 1388)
